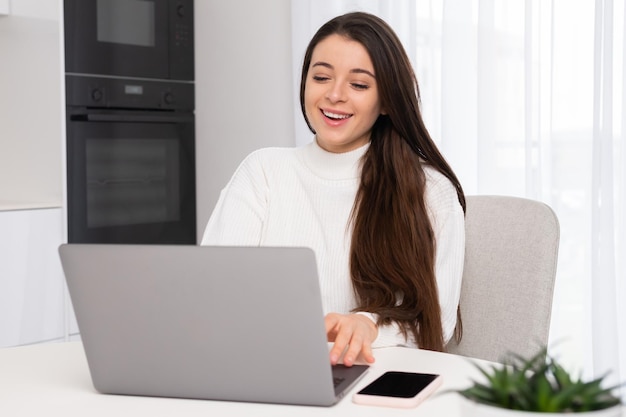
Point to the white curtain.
(526, 98)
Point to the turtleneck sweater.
(304, 196)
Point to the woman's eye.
(320, 78)
(359, 86)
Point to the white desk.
(53, 379)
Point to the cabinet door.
(32, 287)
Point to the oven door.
(131, 178)
(126, 38)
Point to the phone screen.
(398, 384)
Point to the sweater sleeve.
(237, 218)
(389, 335)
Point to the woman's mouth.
(336, 116)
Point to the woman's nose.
(336, 93)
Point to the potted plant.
(537, 386)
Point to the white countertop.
(53, 379)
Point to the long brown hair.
(392, 252)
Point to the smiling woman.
(372, 196)
(341, 95)
(526, 98)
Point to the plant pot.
(474, 409)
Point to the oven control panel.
(128, 93)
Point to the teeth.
(336, 116)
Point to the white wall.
(39, 9)
(31, 104)
(244, 97)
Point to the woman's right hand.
(352, 334)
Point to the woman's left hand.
(352, 333)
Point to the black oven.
(130, 38)
(130, 161)
(129, 70)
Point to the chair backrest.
(511, 252)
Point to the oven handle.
(148, 118)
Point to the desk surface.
(53, 379)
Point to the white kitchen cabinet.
(32, 287)
(33, 304)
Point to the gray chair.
(511, 253)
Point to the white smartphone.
(398, 389)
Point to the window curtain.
(526, 98)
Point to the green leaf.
(544, 393)
(562, 378)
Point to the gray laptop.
(221, 323)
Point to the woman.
(371, 195)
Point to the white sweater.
(303, 197)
